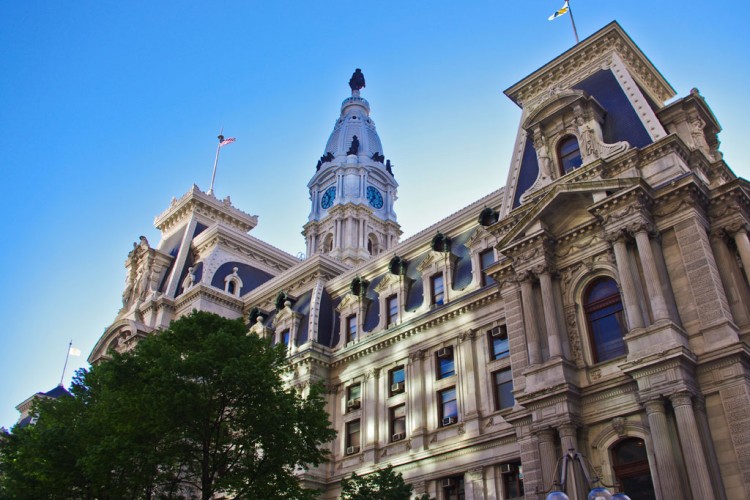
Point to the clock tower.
(353, 189)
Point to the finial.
(357, 81)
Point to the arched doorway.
(632, 473)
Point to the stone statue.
(357, 81)
(354, 148)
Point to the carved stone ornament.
(618, 424)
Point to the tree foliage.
(199, 408)
(385, 484)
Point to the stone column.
(665, 464)
(695, 458)
(650, 273)
(529, 319)
(548, 456)
(730, 280)
(629, 295)
(490, 482)
(576, 484)
(474, 484)
(550, 314)
(415, 392)
(466, 373)
(743, 247)
(699, 406)
(371, 400)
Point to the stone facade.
(599, 302)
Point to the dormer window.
(569, 154)
(438, 289)
(233, 283)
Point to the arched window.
(604, 315)
(631, 468)
(372, 244)
(328, 243)
(569, 154)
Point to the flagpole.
(66, 362)
(216, 162)
(575, 31)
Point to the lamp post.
(569, 460)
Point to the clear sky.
(109, 109)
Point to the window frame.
(596, 341)
(437, 298)
(352, 329)
(496, 354)
(562, 159)
(486, 279)
(351, 434)
(353, 396)
(443, 403)
(392, 380)
(392, 313)
(440, 373)
(499, 385)
(394, 421)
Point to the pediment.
(387, 282)
(348, 300)
(563, 207)
(555, 101)
(434, 257)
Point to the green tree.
(197, 408)
(385, 484)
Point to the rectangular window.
(351, 328)
(498, 340)
(453, 488)
(446, 367)
(438, 289)
(353, 397)
(503, 380)
(352, 437)
(391, 305)
(487, 258)
(448, 407)
(285, 337)
(396, 380)
(512, 480)
(398, 422)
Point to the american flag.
(228, 140)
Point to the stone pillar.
(665, 464)
(371, 402)
(651, 274)
(731, 281)
(490, 482)
(699, 406)
(548, 456)
(576, 483)
(467, 370)
(474, 484)
(743, 247)
(529, 319)
(550, 314)
(415, 391)
(629, 295)
(695, 458)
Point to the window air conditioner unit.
(398, 436)
(397, 387)
(447, 482)
(354, 404)
(449, 421)
(508, 468)
(352, 450)
(445, 352)
(498, 331)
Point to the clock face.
(374, 197)
(328, 197)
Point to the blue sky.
(109, 109)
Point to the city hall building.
(598, 302)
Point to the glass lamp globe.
(557, 495)
(620, 496)
(600, 493)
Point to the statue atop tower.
(357, 81)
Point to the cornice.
(587, 56)
(210, 293)
(196, 201)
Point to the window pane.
(449, 406)
(446, 366)
(487, 257)
(499, 346)
(355, 391)
(351, 328)
(397, 375)
(392, 305)
(285, 337)
(504, 389)
(570, 154)
(438, 291)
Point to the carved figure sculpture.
(354, 148)
(357, 81)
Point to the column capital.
(615, 235)
(417, 355)
(568, 430)
(545, 435)
(543, 268)
(372, 373)
(467, 335)
(642, 226)
(682, 398)
(654, 406)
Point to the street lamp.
(571, 458)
